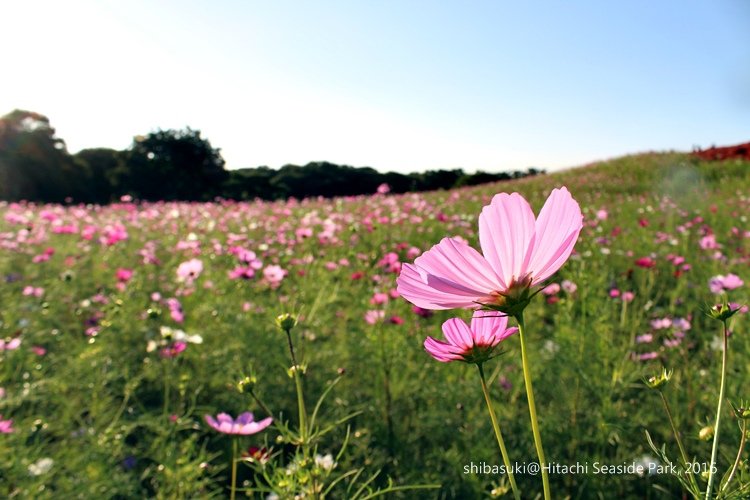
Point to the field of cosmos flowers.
(278, 350)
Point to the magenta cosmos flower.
(472, 344)
(244, 424)
(518, 253)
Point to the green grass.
(95, 405)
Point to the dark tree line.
(35, 165)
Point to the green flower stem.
(532, 407)
(498, 434)
(296, 368)
(167, 385)
(260, 403)
(678, 439)
(739, 456)
(715, 447)
(234, 469)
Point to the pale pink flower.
(720, 283)
(379, 298)
(35, 291)
(245, 423)
(413, 253)
(384, 189)
(472, 344)
(10, 345)
(189, 271)
(661, 324)
(6, 426)
(628, 296)
(374, 316)
(551, 289)
(274, 275)
(645, 338)
(569, 286)
(708, 242)
(519, 253)
(647, 356)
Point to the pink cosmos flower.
(189, 271)
(519, 252)
(472, 344)
(374, 316)
(396, 320)
(244, 424)
(10, 345)
(720, 283)
(274, 275)
(6, 426)
(35, 291)
(379, 298)
(645, 262)
(123, 275)
(569, 286)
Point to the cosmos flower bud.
(286, 321)
(742, 411)
(246, 383)
(656, 381)
(723, 311)
(291, 371)
(706, 433)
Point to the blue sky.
(396, 85)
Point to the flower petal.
(244, 418)
(449, 275)
(255, 427)
(486, 325)
(506, 229)
(441, 351)
(557, 228)
(504, 334)
(211, 421)
(458, 333)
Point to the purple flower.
(244, 425)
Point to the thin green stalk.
(234, 469)
(387, 391)
(260, 403)
(167, 369)
(532, 407)
(715, 447)
(739, 456)
(296, 368)
(679, 441)
(498, 435)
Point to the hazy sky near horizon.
(396, 85)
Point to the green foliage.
(181, 165)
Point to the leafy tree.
(102, 166)
(34, 162)
(172, 165)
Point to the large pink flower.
(518, 253)
(473, 344)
